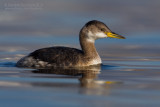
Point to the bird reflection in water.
(87, 76)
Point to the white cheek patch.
(92, 37)
(100, 35)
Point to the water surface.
(128, 77)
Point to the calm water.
(128, 77)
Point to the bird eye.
(102, 29)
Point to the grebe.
(71, 57)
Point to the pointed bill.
(114, 35)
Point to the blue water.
(115, 83)
(128, 77)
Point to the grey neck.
(88, 47)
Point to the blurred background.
(132, 64)
(26, 25)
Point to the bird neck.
(88, 47)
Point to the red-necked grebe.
(71, 57)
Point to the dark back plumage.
(60, 56)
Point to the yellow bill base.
(114, 35)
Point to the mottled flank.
(53, 56)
